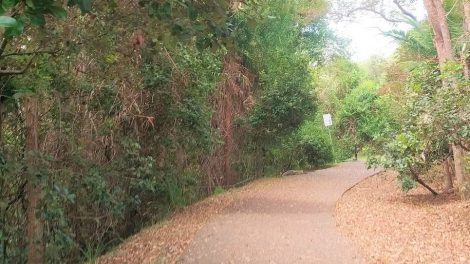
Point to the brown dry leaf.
(166, 242)
(391, 227)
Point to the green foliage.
(430, 115)
(127, 124)
(351, 94)
(309, 147)
(416, 43)
(335, 79)
(359, 119)
(206, 21)
(284, 90)
(6, 21)
(316, 144)
(407, 183)
(34, 12)
(219, 190)
(281, 48)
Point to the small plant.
(92, 252)
(219, 190)
(407, 183)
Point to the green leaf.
(30, 3)
(71, 2)
(85, 5)
(6, 21)
(192, 12)
(58, 11)
(7, 4)
(38, 19)
(15, 30)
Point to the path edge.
(359, 182)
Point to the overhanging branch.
(404, 11)
(372, 10)
(3, 45)
(18, 72)
(52, 52)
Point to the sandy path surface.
(290, 221)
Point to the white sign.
(327, 120)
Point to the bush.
(316, 144)
(317, 150)
(309, 147)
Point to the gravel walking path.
(288, 221)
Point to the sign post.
(328, 121)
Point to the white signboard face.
(327, 120)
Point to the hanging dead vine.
(231, 99)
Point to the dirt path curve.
(290, 221)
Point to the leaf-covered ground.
(273, 220)
(165, 242)
(392, 227)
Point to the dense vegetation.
(409, 112)
(113, 113)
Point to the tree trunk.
(426, 186)
(34, 228)
(442, 41)
(463, 177)
(466, 8)
(461, 174)
(436, 26)
(464, 57)
(447, 42)
(448, 183)
(1, 122)
(418, 180)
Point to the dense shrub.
(316, 145)
(131, 114)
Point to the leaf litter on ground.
(165, 242)
(390, 226)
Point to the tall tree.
(13, 16)
(443, 43)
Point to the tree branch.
(404, 11)
(18, 72)
(372, 10)
(389, 19)
(416, 178)
(3, 45)
(19, 194)
(463, 145)
(52, 52)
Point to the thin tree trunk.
(434, 21)
(463, 177)
(448, 183)
(34, 226)
(447, 42)
(461, 174)
(466, 8)
(426, 186)
(1, 122)
(463, 55)
(418, 180)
